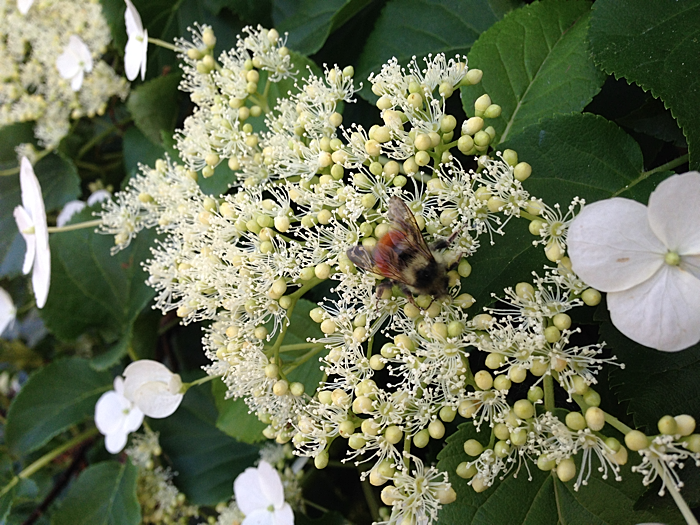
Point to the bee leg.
(441, 244)
(382, 287)
(408, 294)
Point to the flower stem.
(677, 498)
(645, 174)
(200, 381)
(163, 43)
(548, 393)
(300, 346)
(48, 458)
(71, 227)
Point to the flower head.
(116, 417)
(153, 388)
(74, 62)
(136, 50)
(260, 496)
(7, 310)
(648, 260)
(31, 221)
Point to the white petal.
(249, 494)
(24, 223)
(155, 400)
(133, 420)
(284, 516)
(691, 263)
(674, 212)
(82, 51)
(68, 64)
(41, 274)
(77, 81)
(271, 484)
(144, 54)
(24, 5)
(612, 247)
(661, 313)
(259, 517)
(114, 443)
(119, 385)
(109, 412)
(32, 199)
(132, 58)
(7, 310)
(134, 27)
(144, 371)
(98, 196)
(69, 209)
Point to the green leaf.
(653, 383)
(104, 494)
(10, 137)
(234, 418)
(536, 64)
(54, 398)
(90, 288)
(6, 501)
(139, 150)
(417, 27)
(543, 498)
(59, 182)
(155, 105)
(113, 11)
(310, 22)
(657, 46)
(206, 459)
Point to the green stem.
(163, 43)
(609, 419)
(645, 174)
(303, 359)
(315, 505)
(200, 381)
(48, 458)
(300, 346)
(548, 393)
(677, 498)
(71, 227)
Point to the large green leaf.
(54, 398)
(206, 459)
(310, 22)
(536, 64)
(59, 182)
(234, 418)
(655, 44)
(104, 494)
(417, 27)
(543, 498)
(154, 106)
(90, 288)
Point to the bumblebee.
(404, 258)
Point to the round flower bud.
(447, 414)
(692, 442)
(501, 382)
(481, 103)
(595, 418)
(446, 495)
(479, 485)
(482, 321)
(376, 479)
(322, 270)
(517, 374)
(455, 328)
(518, 437)
(613, 444)
(280, 388)
(321, 460)
(482, 139)
(393, 434)
(325, 397)
(494, 360)
(501, 449)
(668, 426)
(539, 367)
(562, 321)
(436, 429)
(580, 385)
(523, 409)
(297, 389)
(467, 408)
(483, 380)
(357, 441)
(473, 448)
(552, 334)
(575, 421)
(464, 300)
(510, 157)
(346, 429)
(545, 464)
(535, 393)
(620, 457)
(591, 297)
(592, 398)
(271, 371)
(566, 469)
(260, 332)
(317, 314)
(501, 431)
(522, 171)
(493, 111)
(370, 427)
(473, 76)
(328, 327)
(422, 158)
(535, 227)
(465, 144)
(390, 495)
(465, 471)
(686, 424)
(422, 438)
(472, 125)
(636, 440)
(422, 142)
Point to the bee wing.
(361, 258)
(410, 238)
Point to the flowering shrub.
(404, 296)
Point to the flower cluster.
(338, 221)
(50, 66)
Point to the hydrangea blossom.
(260, 496)
(74, 62)
(152, 387)
(116, 417)
(24, 5)
(648, 260)
(136, 51)
(31, 221)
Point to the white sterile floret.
(260, 496)
(136, 51)
(116, 417)
(74, 62)
(7, 310)
(24, 5)
(31, 221)
(648, 260)
(69, 209)
(152, 387)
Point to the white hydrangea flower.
(24, 5)
(136, 51)
(260, 496)
(7, 310)
(31, 221)
(152, 387)
(74, 62)
(648, 260)
(116, 417)
(69, 209)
